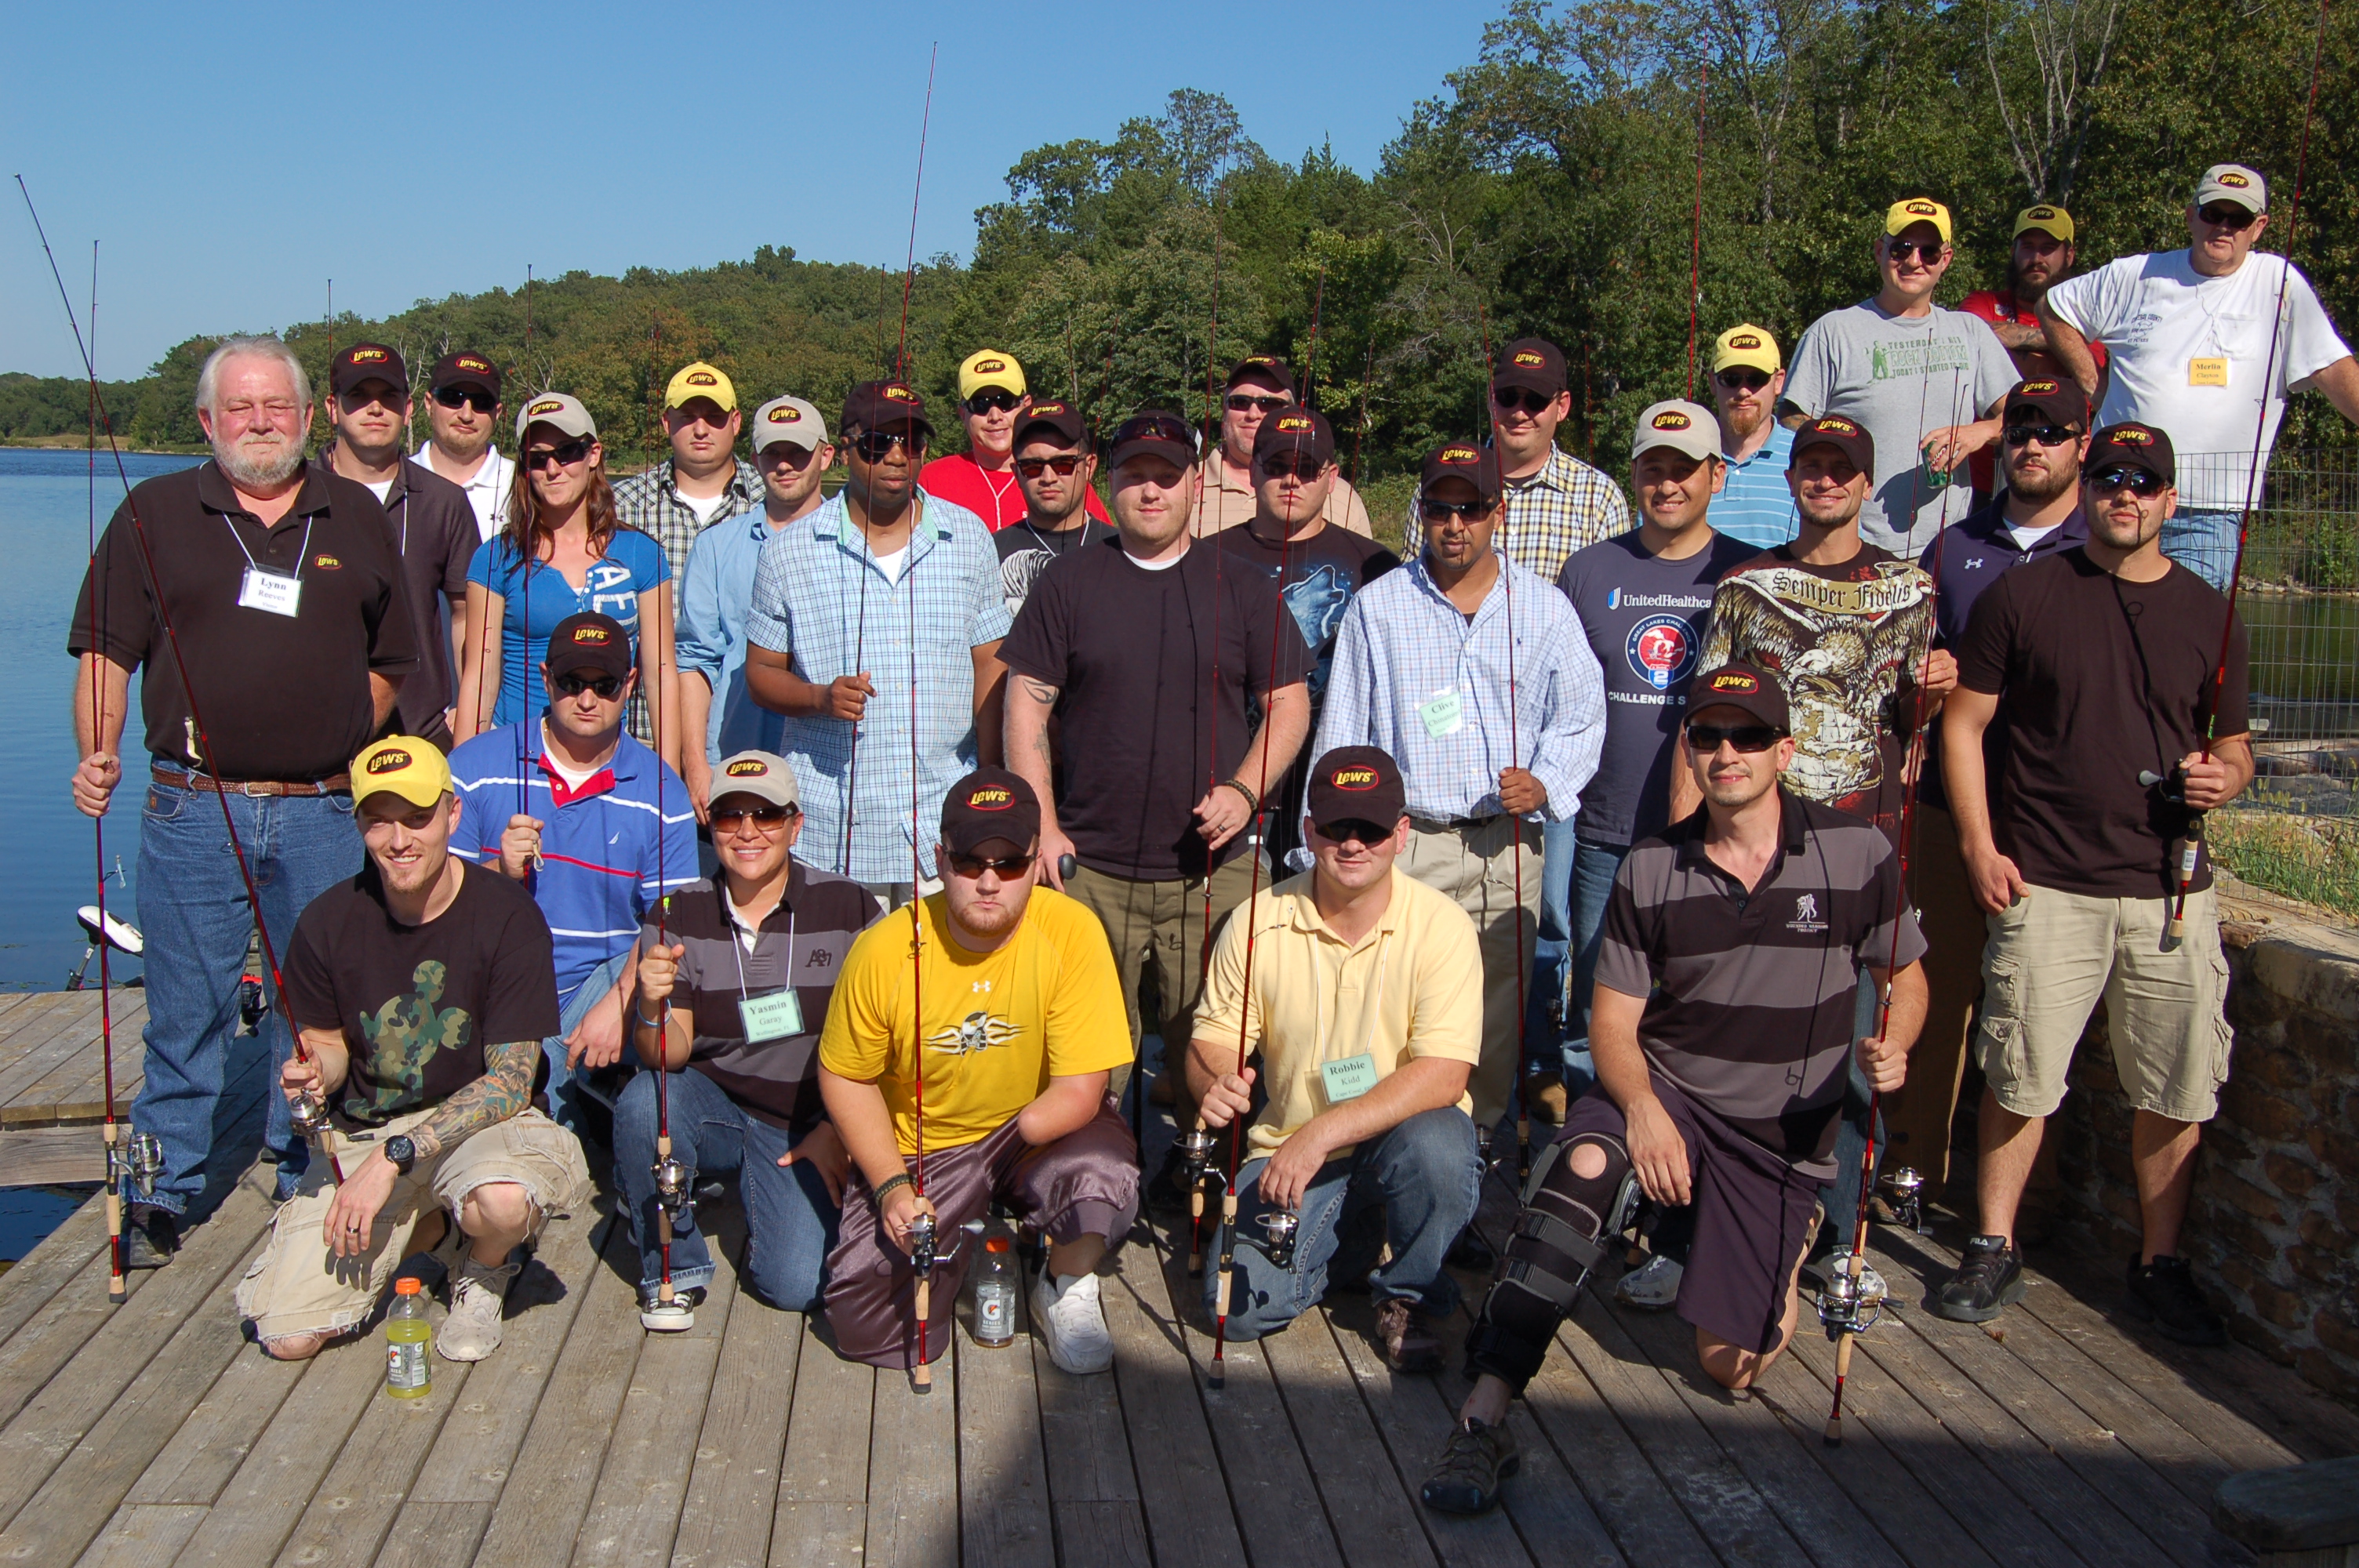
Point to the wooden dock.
(151, 1433)
(52, 1093)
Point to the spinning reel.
(922, 1238)
(1840, 1310)
(675, 1189)
(1280, 1228)
(140, 1159)
(1908, 1200)
(310, 1115)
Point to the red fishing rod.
(1695, 245)
(674, 1192)
(1195, 1145)
(909, 278)
(924, 1234)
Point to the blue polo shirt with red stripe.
(608, 849)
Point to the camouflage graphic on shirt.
(403, 1036)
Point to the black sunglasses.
(1352, 831)
(874, 444)
(1437, 510)
(572, 685)
(2227, 215)
(1927, 250)
(460, 397)
(1006, 866)
(991, 399)
(1033, 468)
(564, 456)
(728, 816)
(1245, 403)
(2137, 481)
(1514, 397)
(1705, 738)
(1293, 465)
(2046, 435)
(1742, 380)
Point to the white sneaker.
(1652, 1287)
(1072, 1322)
(478, 1294)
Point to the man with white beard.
(290, 634)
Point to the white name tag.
(277, 593)
(773, 1015)
(1349, 1078)
(1444, 714)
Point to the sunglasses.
(1033, 468)
(1928, 252)
(766, 818)
(1705, 738)
(1514, 397)
(1156, 429)
(992, 400)
(1437, 512)
(565, 456)
(1352, 830)
(874, 444)
(1008, 867)
(1245, 403)
(460, 397)
(1293, 465)
(2046, 435)
(2227, 215)
(2137, 481)
(606, 687)
(1742, 380)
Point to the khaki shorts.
(297, 1286)
(2053, 954)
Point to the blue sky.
(231, 161)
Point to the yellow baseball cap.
(702, 380)
(1746, 344)
(2048, 220)
(413, 769)
(1918, 210)
(991, 367)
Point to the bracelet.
(1252, 801)
(646, 1023)
(903, 1180)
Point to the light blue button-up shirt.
(1415, 675)
(1755, 505)
(715, 596)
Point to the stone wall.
(2273, 1232)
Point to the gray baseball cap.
(789, 419)
(762, 775)
(1683, 426)
(561, 413)
(2233, 182)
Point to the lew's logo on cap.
(987, 366)
(1732, 680)
(2041, 212)
(2133, 435)
(787, 415)
(469, 362)
(1672, 419)
(1293, 422)
(1920, 209)
(1746, 341)
(2238, 181)
(702, 378)
(747, 768)
(365, 356)
(900, 393)
(1360, 776)
(1836, 425)
(991, 797)
(1527, 357)
(588, 634)
(1260, 359)
(1052, 409)
(2038, 388)
(388, 762)
(1460, 455)
(546, 406)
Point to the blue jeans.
(1544, 1010)
(1594, 870)
(789, 1218)
(564, 1090)
(2204, 543)
(1423, 1176)
(193, 911)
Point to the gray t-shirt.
(1646, 620)
(1903, 377)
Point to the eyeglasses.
(2046, 435)
(1245, 403)
(1033, 468)
(1928, 252)
(564, 456)
(766, 818)
(1514, 397)
(607, 687)
(1742, 380)
(1352, 831)
(1436, 511)
(460, 397)
(1007, 867)
(874, 444)
(1293, 465)
(2227, 215)
(2137, 481)
(992, 400)
(1746, 738)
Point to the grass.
(2312, 859)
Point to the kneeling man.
(423, 988)
(979, 1070)
(1366, 1011)
(1721, 1024)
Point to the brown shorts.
(1085, 1183)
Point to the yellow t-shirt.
(998, 1026)
(1412, 988)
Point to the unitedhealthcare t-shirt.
(1646, 620)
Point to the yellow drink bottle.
(408, 1369)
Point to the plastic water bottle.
(994, 1293)
(408, 1370)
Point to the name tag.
(773, 1015)
(1444, 715)
(277, 593)
(2207, 373)
(1349, 1078)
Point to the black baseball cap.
(465, 368)
(988, 804)
(2133, 446)
(1746, 687)
(589, 642)
(1296, 430)
(1469, 460)
(1267, 367)
(1154, 432)
(2056, 402)
(1846, 435)
(1055, 420)
(1534, 363)
(368, 362)
(878, 405)
(1356, 784)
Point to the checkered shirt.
(1566, 506)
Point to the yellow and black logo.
(1746, 341)
(702, 378)
(1835, 425)
(546, 406)
(1920, 209)
(1293, 422)
(2133, 435)
(2037, 389)
(2038, 213)
(365, 356)
(391, 761)
(327, 563)
(1359, 776)
(988, 366)
(900, 393)
(747, 768)
(469, 362)
(1459, 455)
(787, 415)
(991, 797)
(590, 636)
(1529, 357)
(1672, 419)
(1735, 680)
(2232, 178)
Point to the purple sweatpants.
(1085, 1183)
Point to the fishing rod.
(675, 1190)
(1695, 245)
(909, 278)
(309, 1115)
(923, 1233)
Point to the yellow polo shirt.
(1412, 988)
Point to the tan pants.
(1476, 867)
(1917, 1117)
(1162, 924)
(297, 1286)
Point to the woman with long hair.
(561, 552)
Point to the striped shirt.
(1750, 996)
(823, 598)
(1756, 506)
(1565, 506)
(1413, 675)
(608, 852)
(800, 945)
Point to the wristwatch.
(401, 1152)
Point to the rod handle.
(922, 1376)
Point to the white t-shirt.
(488, 489)
(380, 488)
(2167, 328)
(891, 562)
(2025, 536)
(706, 507)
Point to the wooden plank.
(263, 1502)
(732, 1493)
(1189, 1518)
(1102, 1535)
(1085, 1446)
(216, 1436)
(35, 1279)
(823, 1514)
(1005, 1519)
(358, 1498)
(78, 1080)
(51, 1156)
(913, 1480)
(435, 1535)
(143, 1536)
(821, 1534)
(61, 1032)
(1370, 1505)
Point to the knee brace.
(1558, 1239)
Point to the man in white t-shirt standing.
(463, 408)
(2189, 333)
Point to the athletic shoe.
(1071, 1322)
(1466, 1478)
(1544, 1093)
(478, 1294)
(150, 1237)
(2163, 1292)
(679, 1319)
(1652, 1287)
(1409, 1345)
(1990, 1277)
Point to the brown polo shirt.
(285, 697)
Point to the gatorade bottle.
(408, 1373)
(994, 1293)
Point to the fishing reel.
(2173, 785)
(1908, 1186)
(310, 1115)
(922, 1239)
(1196, 1146)
(1280, 1228)
(675, 1189)
(1840, 1310)
(139, 1159)
(252, 1006)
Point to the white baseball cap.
(1683, 426)
(789, 419)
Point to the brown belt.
(338, 784)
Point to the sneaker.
(150, 1237)
(1409, 1345)
(1072, 1320)
(1466, 1478)
(678, 1318)
(1989, 1278)
(2163, 1292)
(1653, 1286)
(478, 1294)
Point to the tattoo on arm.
(504, 1089)
(1040, 691)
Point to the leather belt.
(1456, 824)
(336, 784)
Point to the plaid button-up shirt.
(1566, 506)
(822, 598)
(651, 503)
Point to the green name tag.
(773, 1015)
(1349, 1078)
(1442, 715)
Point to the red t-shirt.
(2000, 309)
(995, 498)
